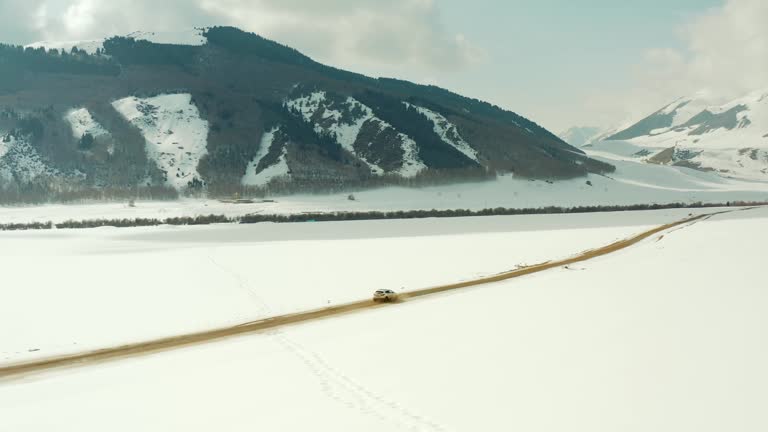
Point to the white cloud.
(729, 47)
(79, 18)
(359, 34)
(25, 21)
(725, 55)
(364, 35)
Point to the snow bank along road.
(147, 347)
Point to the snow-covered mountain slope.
(21, 162)
(731, 138)
(175, 134)
(448, 132)
(89, 46)
(189, 37)
(412, 164)
(261, 171)
(82, 123)
(671, 116)
(342, 130)
(5, 143)
(360, 132)
(741, 123)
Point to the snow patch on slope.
(81, 122)
(412, 164)
(750, 163)
(20, 161)
(447, 131)
(280, 169)
(253, 177)
(685, 109)
(176, 135)
(5, 143)
(347, 130)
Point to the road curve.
(167, 343)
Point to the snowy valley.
(207, 230)
(572, 339)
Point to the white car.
(384, 295)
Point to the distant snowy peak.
(675, 114)
(728, 138)
(579, 136)
(694, 120)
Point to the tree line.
(17, 59)
(45, 191)
(358, 216)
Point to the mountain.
(730, 139)
(219, 111)
(578, 136)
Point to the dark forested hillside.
(244, 114)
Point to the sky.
(561, 63)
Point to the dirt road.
(147, 347)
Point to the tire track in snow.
(272, 323)
(688, 225)
(334, 384)
(359, 397)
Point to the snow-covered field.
(182, 279)
(664, 336)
